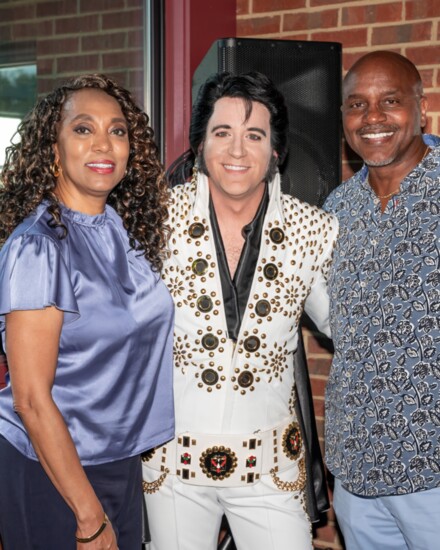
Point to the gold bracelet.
(96, 534)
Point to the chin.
(376, 163)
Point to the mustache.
(377, 129)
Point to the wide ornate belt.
(230, 460)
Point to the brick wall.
(70, 37)
(410, 27)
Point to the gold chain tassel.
(154, 486)
(297, 485)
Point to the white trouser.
(261, 516)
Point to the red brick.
(5, 33)
(349, 38)
(315, 345)
(427, 77)
(45, 66)
(78, 63)
(135, 38)
(258, 25)
(56, 7)
(16, 13)
(433, 102)
(259, 6)
(361, 15)
(114, 60)
(136, 77)
(424, 55)
(318, 405)
(75, 25)
(48, 47)
(46, 85)
(100, 42)
(319, 366)
(315, 20)
(417, 32)
(121, 76)
(296, 36)
(314, 3)
(101, 5)
(242, 7)
(21, 31)
(416, 9)
(128, 18)
(350, 58)
(318, 385)
(430, 124)
(327, 533)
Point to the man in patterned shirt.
(383, 394)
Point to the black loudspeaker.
(309, 76)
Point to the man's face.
(237, 152)
(383, 113)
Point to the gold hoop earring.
(55, 169)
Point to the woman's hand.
(105, 541)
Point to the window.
(18, 92)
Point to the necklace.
(389, 194)
(381, 197)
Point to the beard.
(378, 163)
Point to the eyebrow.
(228, 127)
(84, 116)
(360, 94)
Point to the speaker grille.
(309, 76)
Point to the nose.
(237, 147)
(374, 113)
(101, 142)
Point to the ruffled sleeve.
(34, 275)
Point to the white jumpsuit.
(238, 448)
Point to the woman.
(86, 319)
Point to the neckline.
(91, 220)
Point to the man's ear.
(423, 110)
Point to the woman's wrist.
(96, 534)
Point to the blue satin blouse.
(113, 381)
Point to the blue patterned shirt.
(383, 393)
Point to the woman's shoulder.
(36, 223)
(35, 231)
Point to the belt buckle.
(218, 462)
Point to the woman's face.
(92, 150)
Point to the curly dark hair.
(141, 197)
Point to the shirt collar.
(200, 205)
(431, 140)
